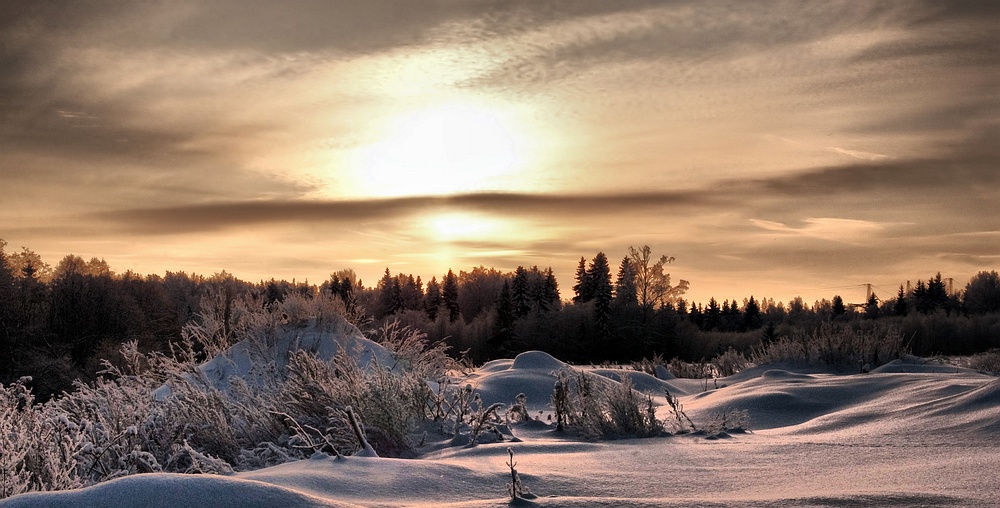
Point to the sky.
(773, 149)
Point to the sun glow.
(450, 227)
(448, 149)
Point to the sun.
(448, 149)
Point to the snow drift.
(820, 439)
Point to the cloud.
(828, 228)
(220, 216)
(859, 154)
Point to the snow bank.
(950, 406)
(913, 364)
(533, 373)
(168, 490)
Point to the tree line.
(57, 324)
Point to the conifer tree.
(520, 290)
(432, 300)
(503, 327)
(900, 308)
(625, 293)
(599, 276)
(838, 307)
(390, 295)
(751, 315)
(713, 315)
(449, 293)
(583, 289)
(550, 292)
(921, 301)
(871, 307)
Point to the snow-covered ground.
(908, 434)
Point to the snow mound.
(640, 380)
(913, 364)
(168, 490)
(954, 406)
(536, 360)
(533, 373)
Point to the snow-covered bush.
(728, 420)
(389, 402)
(836, 346)
(986, 362)
(599, 408)
(729, 362)
(681, 422)
(691, 370)
(155, 412)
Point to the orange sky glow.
(774, 150)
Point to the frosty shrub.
(155, 412)
(412, 351)
(561, 400)
(518, 411)
(32, 455)
(693, 370)
(650, 365)
(681, 422)
(730, 362)
(837, 346)
(389, 403)
(728, 420)
(986, 362)
(600, 408)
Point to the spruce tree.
(503, 328)
(900, 308)
(432, 299)
(449, 293)
(520, 292)
(751, 315)
(389, 297)
(583, 289)
(713, 315)
(550, 292)
(599, 276)
(625, 293)
(839, 309)
(871, 307)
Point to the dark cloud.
(219, 216)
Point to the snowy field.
(911, 433)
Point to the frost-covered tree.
(653, 288)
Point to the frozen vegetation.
(305, 410)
